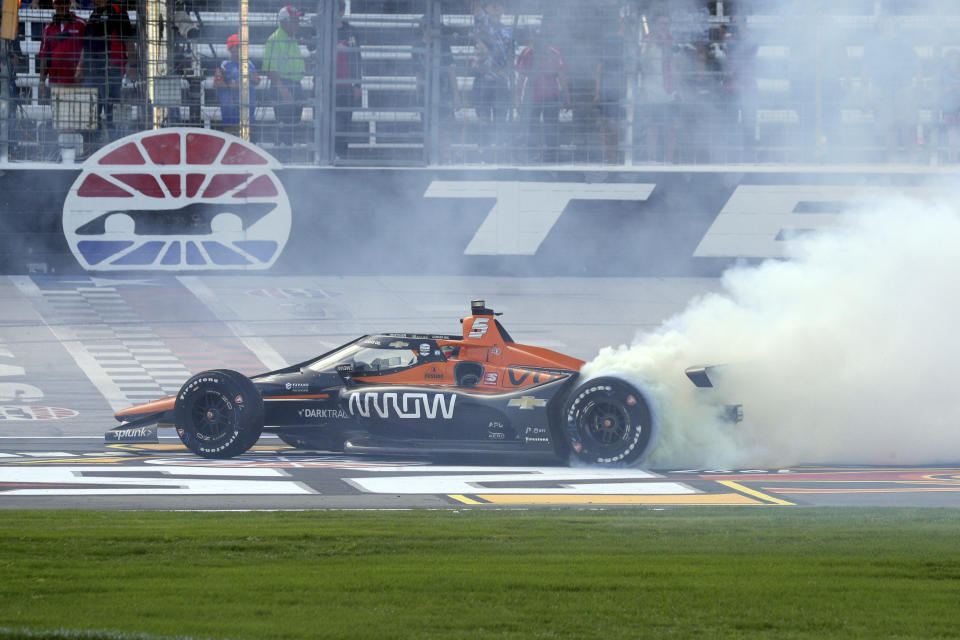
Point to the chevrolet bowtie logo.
(527, 402)
(398, 344)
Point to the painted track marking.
(753, 492)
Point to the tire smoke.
(843, 354)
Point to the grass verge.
(750, 573)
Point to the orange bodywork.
(507, 366)
(163, 404)
(504, 366)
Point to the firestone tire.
(609, 422)
(219, 414)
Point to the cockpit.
(380, 355)
(379, 361)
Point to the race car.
(406, 393)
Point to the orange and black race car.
(399, 393)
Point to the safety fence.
(517, 82)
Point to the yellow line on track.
(736, 486)
(74, 461)
(700, 498)
(799, 490)
(463, 499)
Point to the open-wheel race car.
(406, 393)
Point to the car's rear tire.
(219, 414)
(608, 421)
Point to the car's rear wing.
(700, 377)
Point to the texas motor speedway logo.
(177, 200)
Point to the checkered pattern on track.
(147, 337)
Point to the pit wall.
(429, 221)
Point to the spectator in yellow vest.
(285, 67)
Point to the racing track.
(72, 349)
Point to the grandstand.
(761, 81)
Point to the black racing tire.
(608, 421)
(218, 414)
(300, 440)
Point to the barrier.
(224, 210)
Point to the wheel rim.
(606, 422)
(213, 415)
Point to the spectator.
(14, 56)
(227, 82)
(448, 92)
(657, 90)
(738, 53)
(950, 103)
(9, 64)
(285, 67)
(610, 88)
(890, 69)
(349, 93)
(61, 49)
(493, 70)
(541, 90)
(110, 53)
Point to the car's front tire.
(608, 421)
(219, 414)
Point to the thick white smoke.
(844, 354)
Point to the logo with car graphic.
(177, 199)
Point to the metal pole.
(819, 140)
(434, 25)
(155, 54)
(244, 101)
(5, 111)
(323, 81)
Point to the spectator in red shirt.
(541, 90)
(61, 49)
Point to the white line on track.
(257, 345)
(116, 398)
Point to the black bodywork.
(389, 418)
(406, 393)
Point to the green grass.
(704, 573)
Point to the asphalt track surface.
(74, 349)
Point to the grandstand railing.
(410, 86)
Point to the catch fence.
(522, 82)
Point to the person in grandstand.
(949, 97)
(610, 81)
(891, 70)
(349, 94)
(13, 56)
(110, 53)
(541, 91)
(61, 49)
(657, 84)
(494, 45)
(738, 88)
(227, 82)
(448, 92)
(285, 67)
